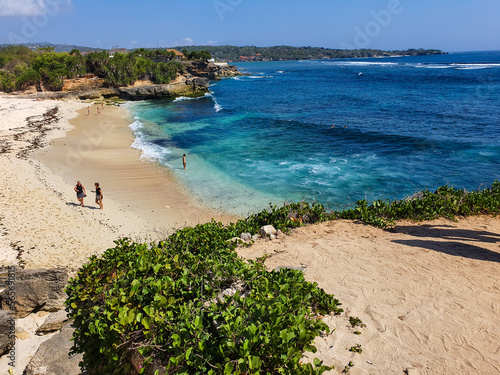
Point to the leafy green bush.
(189, 305)
(27, 77)
(444, 202)
(7, 82)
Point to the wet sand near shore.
(98, 150)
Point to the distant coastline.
(285, 53)
(229, 53)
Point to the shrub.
(189, 305)
(444, 202)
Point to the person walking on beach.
(88, 111)
(98, 111)
(98, 194)
(184, 160)
(80, 192)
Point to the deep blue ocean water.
(402, 124)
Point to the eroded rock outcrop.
(52, 358)
(212, 71)
(192, 86)
(34, 290)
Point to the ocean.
(401, 124)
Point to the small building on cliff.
(178, 55)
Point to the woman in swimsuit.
(80, 192)
(98, 194)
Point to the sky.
(449, 25)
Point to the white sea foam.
(434, 66)
(475, 66)
(359, 63)
(182, 98)
(259, 77)
(217, 106)
(136, 125)
(149, 150)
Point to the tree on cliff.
(202, 55)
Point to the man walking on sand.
(184, 160)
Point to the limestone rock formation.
(54, 322)
(52, 358)
(6, 331)
(41, 289)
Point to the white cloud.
(212, 42)
(187, 41)
(13, 8)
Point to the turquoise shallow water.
(402, 124)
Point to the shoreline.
(98, 149)
(43, 224)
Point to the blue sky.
(458, 25)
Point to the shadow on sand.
(78, 205)
(467, 249)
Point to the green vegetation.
(348, 367)
(356, 349)
(275, 53)
(189, 305)
(355, 321)
(444, 202)
(167, 305)
(20, 67)
(202, 55)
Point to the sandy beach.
(428, 293)
(42, 219)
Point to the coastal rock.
(190, 87)
(54, 322)
(246, 236)
(6, 329)
(225, 71)
(41, 289)
(194, 82)
(210, 70)
(267, 230)
(52, 358)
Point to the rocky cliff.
(194, 82)
(212, 71)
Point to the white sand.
(40, 214)
(429, 293)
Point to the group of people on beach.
(98, 110)
(82, 193)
